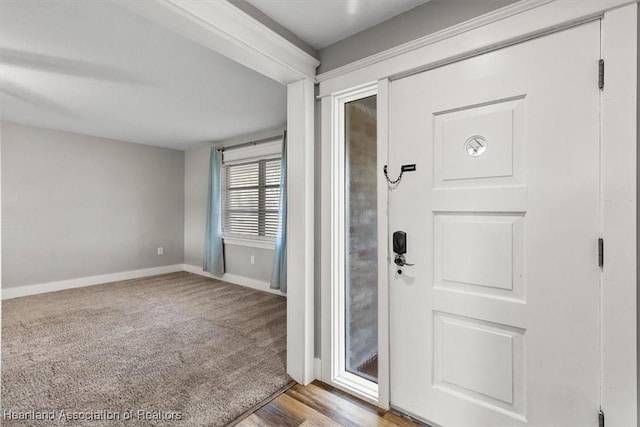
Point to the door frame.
(333, 354)
(513, 24)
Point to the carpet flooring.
(176, 349)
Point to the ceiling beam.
(227, 30)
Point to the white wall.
(76, 206)
(237, 258)
(420, 21)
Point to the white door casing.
(498, 322)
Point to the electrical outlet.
(160, 250)
(253, 259)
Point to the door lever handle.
(400, 261)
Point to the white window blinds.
(251, 198)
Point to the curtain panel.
(279, 271)
(213, 246)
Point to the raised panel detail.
(477, 144)
(479, 253)
(496, 128)
(478, 360)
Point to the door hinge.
(601, 252)
(601, 74)
(600, 418)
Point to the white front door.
(497, 323)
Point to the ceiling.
(95, 68)
(323, 22)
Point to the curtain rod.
(244, 144)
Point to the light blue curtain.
(279, 273)
(213, 248)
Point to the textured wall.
(237, 258)
(362, 228)
(76, 206)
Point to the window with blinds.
(251, 198)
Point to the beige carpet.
(176, 345)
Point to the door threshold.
(412, 418)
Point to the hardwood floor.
(321, 405)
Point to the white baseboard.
(41, 288)
(317, 369)
(235, 279)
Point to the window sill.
(253, 243)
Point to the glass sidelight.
(361, 238)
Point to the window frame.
(239, 239)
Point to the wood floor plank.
(319, 404)
(365, 405)
(251, 421)
(287, 411)
(336, 407)
(271, 415)
(310, 415)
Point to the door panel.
(479, 254)
(497, 321)
(479, 360)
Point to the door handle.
(400, 261)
